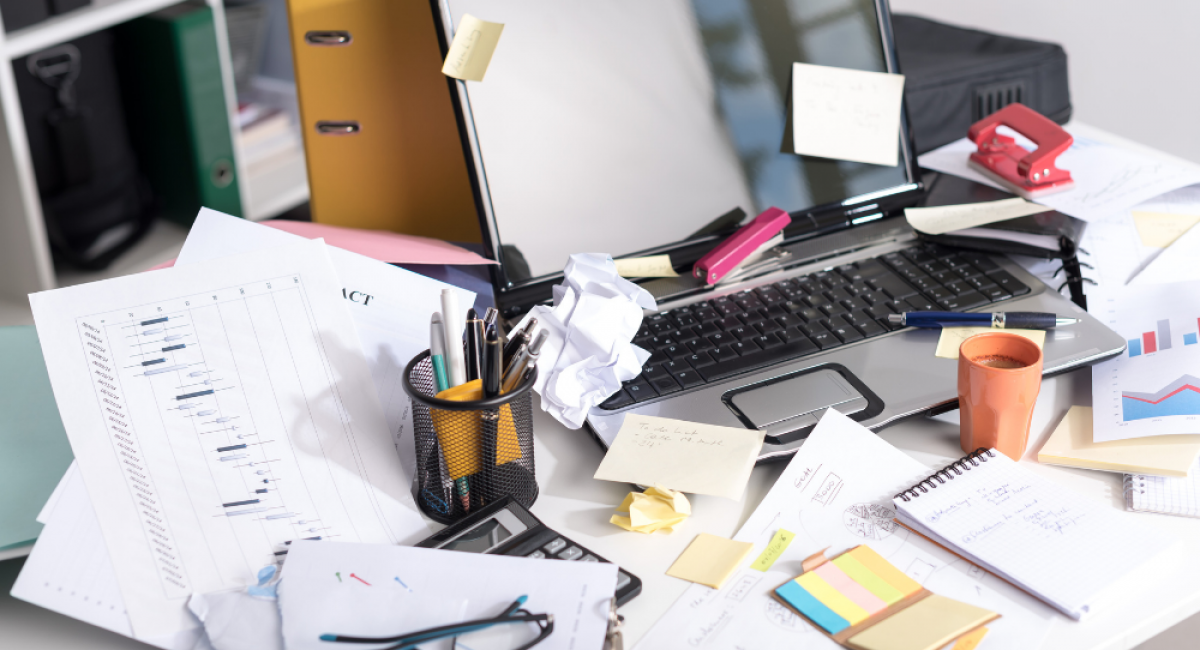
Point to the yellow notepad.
(1071, 445)
(928, 624)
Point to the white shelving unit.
(25, 262)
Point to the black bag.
(955, 77)
(95, 201)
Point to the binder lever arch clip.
(1003, 160)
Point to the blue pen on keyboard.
(1028, 320)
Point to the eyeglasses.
(514, 629)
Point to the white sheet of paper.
(270, 354)
(1152, 388)
(379, 590)
(947, 218)
(846, 114)
(390, 306)
(836, 493)
(1108, 179)
(683, 456)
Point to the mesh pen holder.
(470, 452)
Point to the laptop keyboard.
(708, 341)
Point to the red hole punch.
(1000, 157)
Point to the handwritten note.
(655, 266)
(471, 51)
(774, 549)
(953, 337)
(948, 218)
(685, 456)
(1161, 229)
(844, 114)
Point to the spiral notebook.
(1163, 494)
(1071, 552)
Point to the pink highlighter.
(729, 254)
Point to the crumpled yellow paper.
(658, 508)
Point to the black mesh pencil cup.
(470, 452)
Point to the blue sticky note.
(815, 610)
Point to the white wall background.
(1134, 64)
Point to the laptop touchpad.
(788, 404)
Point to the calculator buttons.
(572, 553)
(537, 555)
(556, 546)
(589, 558)
(622, 580)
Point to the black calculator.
(507, 528)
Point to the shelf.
(99, 15)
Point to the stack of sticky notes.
(864, 602)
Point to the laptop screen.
(627, 126)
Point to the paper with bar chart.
(1153, 388)
(218, 412)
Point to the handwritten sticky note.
(1161, 229)
(710, 560)
(471, 50)
(947, 218)
(685, 456)
(653, 510)
(952, 338)
(654, 266)
(774, 549)
(844, 114)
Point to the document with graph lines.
(217, 412)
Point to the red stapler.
(745, 247)
(1000, 157)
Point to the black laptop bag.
(95, 201)
(955, 77)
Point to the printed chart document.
(373, 590)
(1108, 178)
(216, 412)
(836, 493)
(1153, 388)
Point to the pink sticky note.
(857, 593)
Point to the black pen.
(491, 364)
(474, 344)
(1001, 320)
(519, 338)
(525, 359)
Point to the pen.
(519, 337)
(491, 364)
(451, 323)
(1000, 320)
(437, 351)
(474, 344)
(490, 316)
(525, 358)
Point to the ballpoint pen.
(452, 323)
(512, 372)
(525, 359)
(519, 337)
(490, 316)
(1000, 320)
(437, 352)
(474, 344)
(491, 364)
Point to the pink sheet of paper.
(376, 244)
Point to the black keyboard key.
(705, 314)
(809, 314)
(729, 322)
(982, 262)
(645, 342)
(858, 288)
(940, 293)
(839, 294)
(933, 268)
(966, 300)
(917, 254)
(870, 328)
(768, 326)
(685, 321)
(619, 399)
(959, 286)
(689, 378)
(834, 309)
(946, 276)
(793, 306)
(660, 342)
(817, 301)
(768, 341)
(652, 370)
(700, 359)
(995, 293)
(968, 271)
(643, 332)
(926, 283)
(868, 269)
(639, 389)
(744, 347)
(893, 286)
(743, 333)
(793, 348)
(700, 344)
(954, 261)
(919, 303)
(706, 327)
(847, 333)
(720, 338)
(723, 353)
(774, 311)
(659, 327)
(851, 272)
(876, 298)
(795, 339)
(811, 328)
(725, 307)
(750, 304)
(788, 320)
(666, 385)
(825, 340)
(1009, 283)
(855, 304)
(880, 311)
(768, 295)
(830, 278)
(676, 351)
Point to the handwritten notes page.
(836, 494)
(685, 456)
(1064, 548)
(845, 114)
(942, 219)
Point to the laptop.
(644, 128)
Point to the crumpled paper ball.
(658, 508)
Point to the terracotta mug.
(999, 376)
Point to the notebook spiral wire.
(947, 473)
(1133, 483)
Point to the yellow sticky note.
(774, 549)
(952, 338)
(471, 51)
(875, 563)
(654, 266)
(970, 640)
(1161, 229)
(832, 598)
(1071, 445)
(928, 624)
(867, 578)
(710, 560)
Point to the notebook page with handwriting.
(1063, 548)
(1164, 494)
